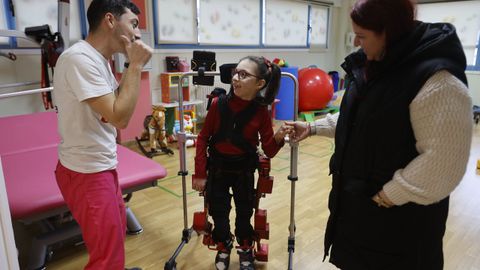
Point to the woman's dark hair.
(395, 17)
(271, 73)
(98, 9)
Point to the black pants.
(219, 198)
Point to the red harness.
(51, 48)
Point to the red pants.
(96, 203)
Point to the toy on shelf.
(172, 116)
(183, 66)
(169, 84)
(172, 63)
(188, 124)
(280, 62)
(171, 138)
(175, 64)
(154, 132)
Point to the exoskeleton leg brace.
(203, 226)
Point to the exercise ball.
(315, 89)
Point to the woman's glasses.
(242, 74)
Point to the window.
(246, 23)
(319, 18)
(3, 23)
(286, 23)
(176, 21)
(75, 22)
(34, 13)
(465, 16)
(87, 3)
(229, 22)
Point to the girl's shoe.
(222, 260)
(246, 259)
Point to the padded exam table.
(28, 151)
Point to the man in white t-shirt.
(91, 106)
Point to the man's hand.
(137, 52)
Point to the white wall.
(474, 86)
(27, 67)
(344, 26)
(300, 58)
(324, 59)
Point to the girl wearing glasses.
(226, 153)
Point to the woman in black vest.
(402, 140)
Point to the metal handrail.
(26, 92)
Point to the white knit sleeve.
(441, 117)
(326, 126)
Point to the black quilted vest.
(374, 135)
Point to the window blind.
(286, 23)
(319, 18)
(3, 23)
(464, 15)
(34, 13)
(176, 21)
(229, 22)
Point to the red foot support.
(261, 226)
(265, 184)
(261, 253)
(201, 224)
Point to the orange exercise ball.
(315, 89)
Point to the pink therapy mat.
(28, 150)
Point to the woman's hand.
(382, 200)
(281, 132)
(300, 131)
